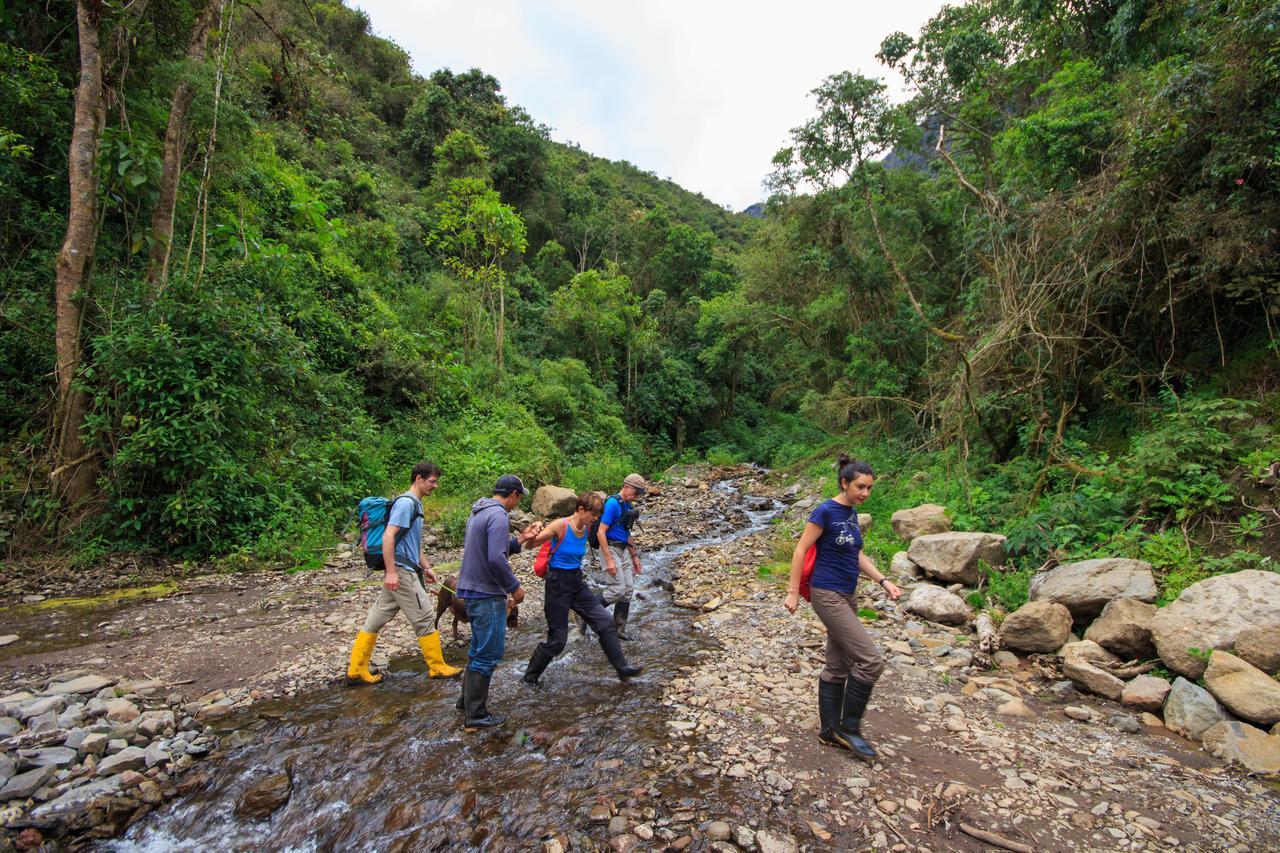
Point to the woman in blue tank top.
(854, 662)
(566, 589)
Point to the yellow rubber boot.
(431, 652)
(358, 670)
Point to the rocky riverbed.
(221, 677)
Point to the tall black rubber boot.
(856, 696)
(475, 695)
(830, 707)
(621, 611)
(613, 651)
(537, 664)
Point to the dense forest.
(1042, 290)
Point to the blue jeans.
(488, 618)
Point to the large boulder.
(1190, 709)
(1086, 587)
(554, 501)
(1213, 614)
(954, 557)
(1233, 740)
(937, 605)
(1260, 646)
(920, 521)
(1037, 626)
(1246, 690)
(1125, 628)
(1146, 693)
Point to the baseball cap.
(636, 482)
(507, 484)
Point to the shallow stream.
(389, 767)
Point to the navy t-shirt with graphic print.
(836, 567)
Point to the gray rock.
(938, 605)
(9, 726)
(155, 754)
(1126, 723)
(1124, 628)
(954, 557)
(902, 567)
(775, 842)
(7, 768)
(47, 722)
(58, 756)
(82, 684)
(157, 723)
(922, 520)
(45, 705)
(74, 738)
(1037, 626)
(116, 744)
(1086, 587)
(1212, 614)
(71, 718)
(76, 801)
(129, 758)
(718, 830)
(122, 710)
(25, 784)
(1190, 709)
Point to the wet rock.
(212, 712)
(600, 813)
(744, 837)
(938, 605)
(1037, 626)
(25, 784)
(83, 684)
(129, 758)
(624, 843)
(149, 792)
(1246, 690)
(1087, 586)
(1146, 693)
(954, 557)
(922, 520)
(618, 825)
(1237, 741)
(1260, 647)
(122, 711)
(269, 794)
(718, 830)
(1190, 709)
(775, 842)
(554, 501)
(1124, 628)
(1212, 614)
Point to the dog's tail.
(444, 594)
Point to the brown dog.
(446, 601)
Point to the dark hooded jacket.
(485, 548)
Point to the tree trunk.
(74, 470)
(174, 143)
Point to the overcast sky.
(699, 91)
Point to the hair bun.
(844, 460)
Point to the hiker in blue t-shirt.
(854, 662)
(566, 589)
(404, 571)
(619, 558)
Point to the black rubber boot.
(613, 651)
(475, 694)
(830, 706)
(856, 696)
(621, 611)
(537, 664)
(461, 704)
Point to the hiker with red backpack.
(564, 543)
(825, 568)
(391, 537)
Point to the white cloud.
(701, 91)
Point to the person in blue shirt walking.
(485, 580)
(619, 558)
(854, 662)
(566, 589)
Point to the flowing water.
(389, 767)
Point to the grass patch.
(115, 596)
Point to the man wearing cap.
(619, 558)
(484, 583)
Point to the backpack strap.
(403, 531)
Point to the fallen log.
(996, 840)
